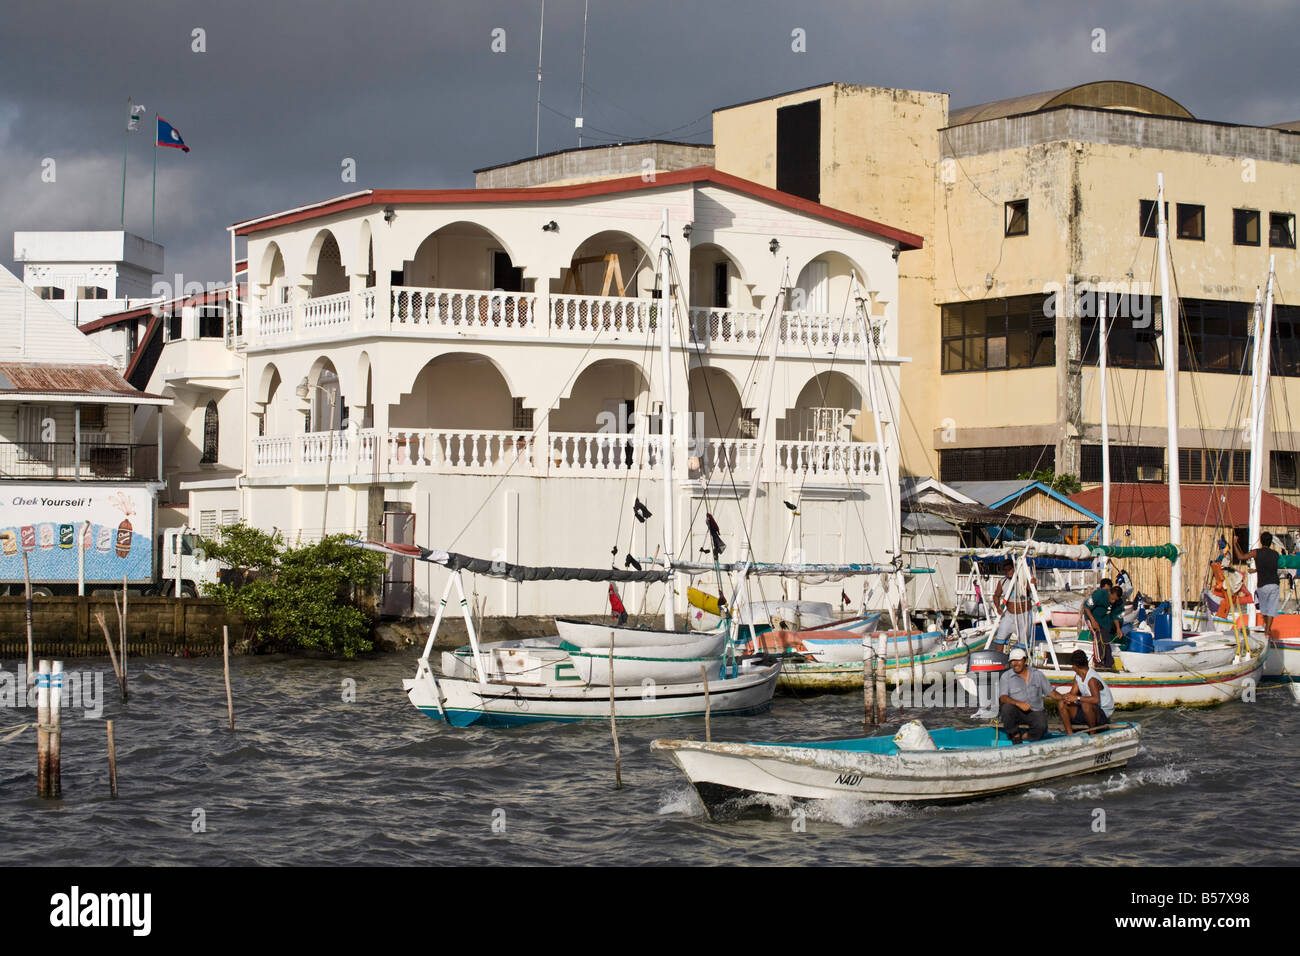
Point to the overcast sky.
(414, 93)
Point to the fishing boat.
(941, 765)
(662, 663)
(596, 636)
(513, 702)
(812, 676)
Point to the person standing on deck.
(1090, 702)
(1266, 581)
(1021, 691)
(1017, 613)
(1103, 611)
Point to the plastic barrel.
(1162, 627)
(1139, 642)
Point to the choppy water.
(308, 779)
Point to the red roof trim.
(153, 328)
(206, 298)
(697, 174)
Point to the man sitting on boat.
(1012, 595)
(1021, 691)
(1266, 580)
(1090, 702)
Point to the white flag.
(133, 121)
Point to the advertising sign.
(111, 526)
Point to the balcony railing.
(434, 312)
(447, 451)
(100, 461)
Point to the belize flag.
(169, 136)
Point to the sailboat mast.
(1169, 320)
(666, 416)
(1262, 354)
(872, 396)
(1102, 356)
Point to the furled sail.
(453, 561)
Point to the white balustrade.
(603, 453)
(826, 459)
(601, 313)
(463, 309)
(274, 320)
(801, 332)
(729, 327)
(720, 459)
(315, 447)
(327, 311)
(453, 451)
(273, 452)
(368, 306)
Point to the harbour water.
(309, 778)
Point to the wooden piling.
(868, 686)
(708, 730)
(112, 762)
(112, 655)
(880, 679)
(43, 730)
(225, 654)
(613, 727)
(27, 613)
(56, 728)
(124, 633)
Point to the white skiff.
(595, 636)
(462, 702)
(964, 765)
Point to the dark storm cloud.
(413, 93)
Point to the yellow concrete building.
(1042, 200)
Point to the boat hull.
(595, 637)
(844, 677)
(1169, 689)
(462, 703)
(722, 771)
(634, 665)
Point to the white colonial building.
(479, 370)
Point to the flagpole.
(126, 140)
(153, 202)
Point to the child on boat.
(1090, 702)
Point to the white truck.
(79, 539)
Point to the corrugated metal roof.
(62, 379)
(956, 511)
(1102, 94)
(1147, 504)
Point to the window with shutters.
(207, 524)
(229, 516)
(209, 434)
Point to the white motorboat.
(943, 765)
(462, 702)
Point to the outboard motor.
(984, 671)
(988, 662)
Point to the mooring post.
(868, 685)
(225, 654)
(124, 633)
(112, 656)
(27, 613)
(708, 729)
(881, 657)
(43, 730)
(56, 727)
(613, 727)
(112, 762)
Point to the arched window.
(209, 434)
